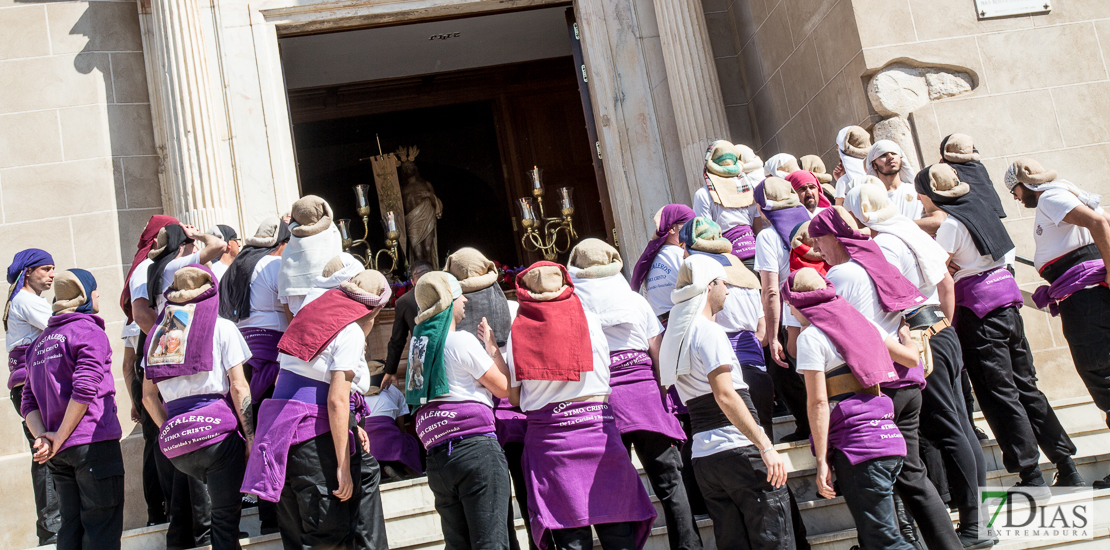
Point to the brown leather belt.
(840, 384)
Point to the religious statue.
(422, 209)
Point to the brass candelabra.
(546, 242)
(372, 260)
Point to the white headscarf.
(697, 272)
(304, 258)
(351, 267)
(853, 167)
(869, 204)
(610, 298)
(774, 165)
(884, 146)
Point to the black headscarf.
(975, 174)
(987, 231)
(175, 237)
(235, 285)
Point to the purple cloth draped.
(896, 293)
(862, 427)
(635, 399)
(673, 403)
(389, 444)
(1076, 278)
(264, 359)
(907, 377)
(510, 422)
(747, 348)
(72, 360)
(856, 338)
(988, 291)
(578, 472)
(197, 338)
(196, 422)
(672, 214)
(282, 423)
(359, 407)
(17, 366)
(782, 221)
(743, 241)
(439, 422)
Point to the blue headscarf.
(89, 284)
(24, 259)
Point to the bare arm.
(496, 379)
(154, 406)
(653, 351)
(143, 314)
(241, 397)
(1098, 226)
(128, 368)
(903, 350)
(769, 281)
(817, 407)
(929, 223)
(947, 290)
(339, 414)
(761, 331)
(214, 247)
(720, 380)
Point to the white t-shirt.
(772, 254)
(345, 353)
(709, 349)
(171, 269)
(229, 349)
(854, 285)
(662, 277)
(266, 310)
(637, 331)
(218, 269)
(136, 287)
(905, 199)
(816, 352)
(537, 394)
(954, 238)
(27, 318)
(1053, 236)
(900, 255)
(815, 212)
(389, 402)
(726, 218)
(743, 310)
(465, 361)
(295, 303)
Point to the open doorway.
(483, 99)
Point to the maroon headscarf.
(146, 242)
(671, 215)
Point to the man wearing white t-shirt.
(1073, 247)
(749, 508)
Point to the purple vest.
(743, 241)
(441, 421)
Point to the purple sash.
(636, 401)
(197, 422)
(510, 422)
(743, 241)
(264, 359)
(862, 427)
(1076, 278)
(907, 377)
(389, 444)
(439, 422)
(748, 350)
(17, 366)
(578, 472)
(988, 291)
(673, 403)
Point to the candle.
(536, 176)
(566, 201)
(390, 221)
(362, 199)
(527, 216)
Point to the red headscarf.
(550, 337)
(146, 242)
(801, 178)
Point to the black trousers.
(689, 480)
(514, 452)
(661, 458)
(309, 515)
(1000, 366)
(370, 532)
(48, 516)
(920, 497)
(220, 467)
(152, 486)
(969, 398)
(188, 509)
(470, 481)
(747, 512)
(1086, 320)
(89, 481)
(612, 536)
(868, 491)
(944, 422)
(762, 390)
(790, 387)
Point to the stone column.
(692, 80)
(182, 108)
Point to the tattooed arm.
(241, 398)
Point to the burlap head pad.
(875, 205)
(946, 183)
(312, 214)
(723, 165)
(813, 163)
(779, 194)
(68, 293)
(367, 281)
(800, 237)
(333, 265)
(159, 244)
(846, 216)
(544, 282)
(594, 258)
(959, 148)
(707, 237)
(1030, 172)
(749, 161)
(266, 235)
(434, 294)
(857, 142)
(808, 279)
(188, 283)
(473, 270)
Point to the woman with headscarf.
(302, 446)
(207, 398)
(70, 406)
(559, 359)
(315, 241)
(731, 174)
(657, 267)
